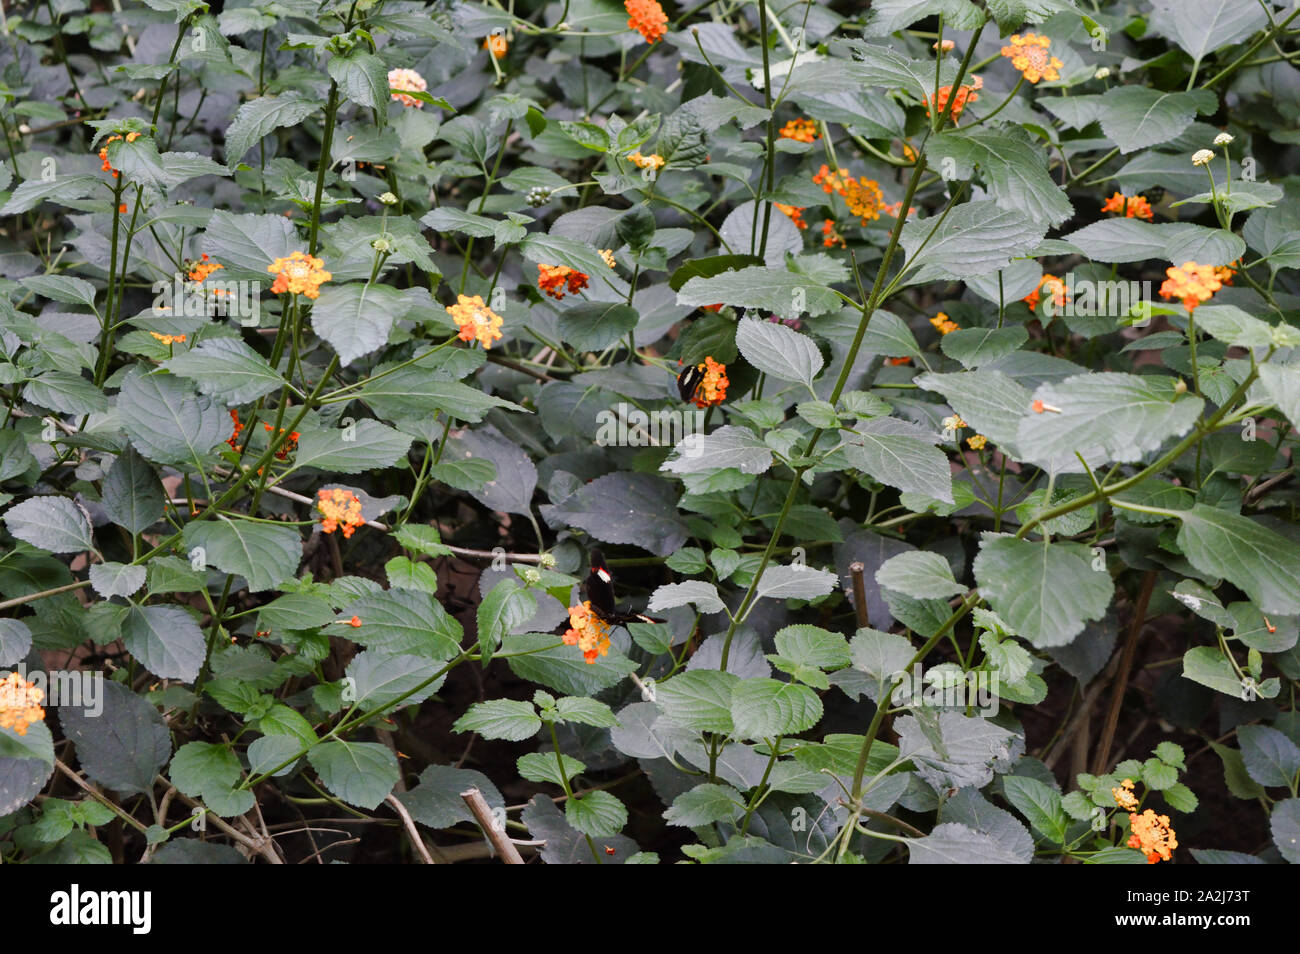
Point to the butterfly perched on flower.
(688, 381)
(600, 593)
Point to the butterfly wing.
(600, 593)
(688, 382)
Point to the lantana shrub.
(570, 431)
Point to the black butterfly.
(600, 593)
(688, 382)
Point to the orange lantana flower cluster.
(1054, 287)
(965, 94)
(712, 389)
(831, 236)
(406, 81)
(340, 508)
(168, 339)
(1029, 54)
(943, 324)
(864, 199)
(1133, 206)
(587, 631)
(795, 212)
(554, 279)
(288, 445)
(201, 269)
(103, 153)
(830, 181)
(863, 196)
(653, 161)
(1152, 835)
(647, 18)
(801, 130)
(299, 274)
(1124, 796)
(233, 439)
(1194, 284)
(476, 320)
(495, 44)
(19, 703)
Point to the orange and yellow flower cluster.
(555, 279)
(1132, 206)
(1054, 287)
(712, 389)
(1152, 835)
(339, 508)
(647, 17)
(795, 212)
(830, 181)
(19, 703)
(1029, 54)
(1195, 284)
(476, 320)
(943, 324)
(495, 44)
(588, 632)
(168, 339)
(831, 235)
(965, 95)
(653, 161)
(800, 130)
(1124, 796)
(299, 274)
(200, 270)
(233, 439)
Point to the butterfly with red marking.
(600, 593)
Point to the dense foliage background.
(335, 336)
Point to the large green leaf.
(54, 524)
(776, 350)
(260, 116)
(167, 422)
(1264, 564)
(1045, 592)
(770, 289)
(989, 401)
(132, 495)
(355, 319)
(166, 639)
(360, 773)
(124, 744)
(405, 621)
(227, 368)
(263, 554)
(507, 719)
(699, 699)
(1013, 167)
(366, 445)
(765, 708)
(920, 574)
(1203, 26)
(901, 460)
(976, 238)
(1105, 417)
(1134, 117)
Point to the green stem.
(327, 142)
